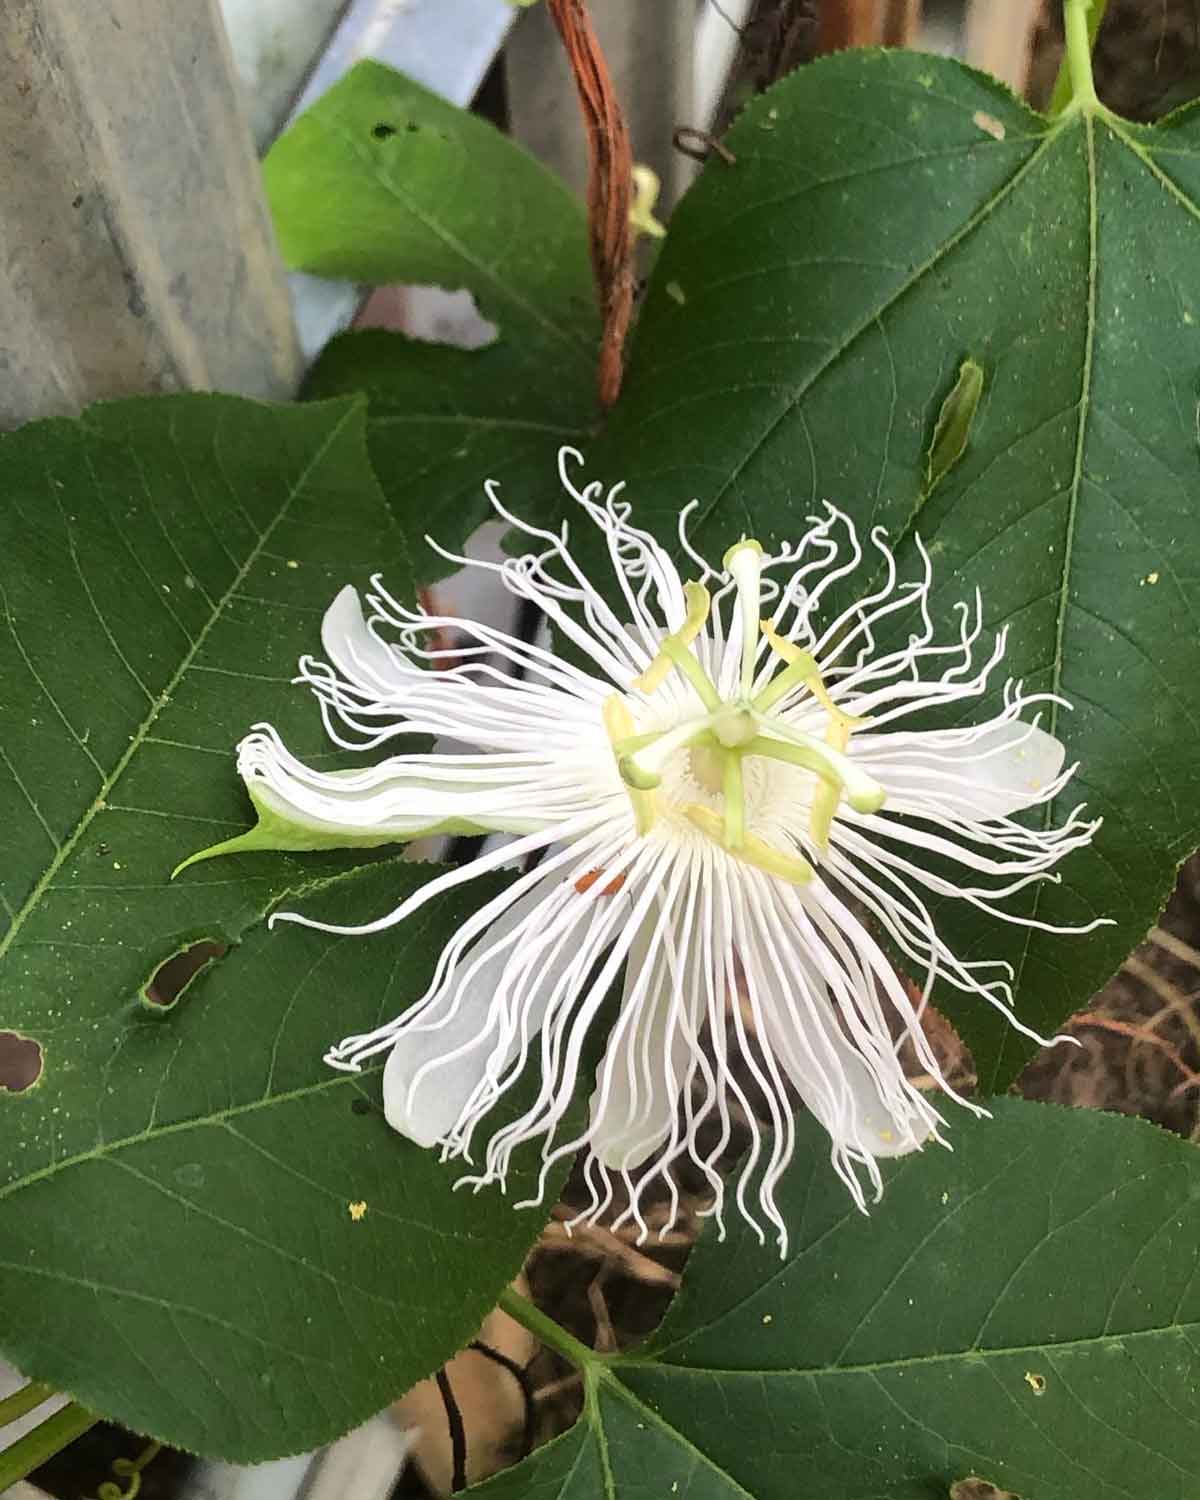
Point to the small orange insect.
(586, 882)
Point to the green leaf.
(1026, 1308)
(811, 308)
(176, 1246)
(382, 181)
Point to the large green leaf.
(888, 218)
(176, 1244)
(381, 181)
(1026, 1308)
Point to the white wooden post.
(136, 253)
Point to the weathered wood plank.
(135, 249)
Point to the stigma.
(712, 746)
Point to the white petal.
(827, 1070)
(357, 653)
(440, 1096)
(395, 799)
(861, 1117)
(632, 1108)
(1001, 770)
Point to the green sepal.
(276, 831)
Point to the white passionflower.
(732, 799)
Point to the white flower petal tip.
(737, 795)
(350, 645)
(881, 1138)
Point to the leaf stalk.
(550, 1333)
(1076, 85)
(47, 1439)
(24, 1400)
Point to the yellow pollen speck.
(945, 1199)
(1150, 578)
(767, 1318)
(292, 563)
(358, 1210)
(1035, 1382)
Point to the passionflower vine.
(722, 786)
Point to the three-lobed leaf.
(177, 1247)
(382, 181)
(1024, 1308)
(888, 220)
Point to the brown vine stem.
(610, 187)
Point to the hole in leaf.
(174, 975)
(978, 1489)
(20, 1062)
(383, 130)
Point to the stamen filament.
(798, 755)
(743, 562)
(801, 669)
(681, 656)
(641, 768)
(863, 792)
(753, 850)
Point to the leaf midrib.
(164, 697)
(1085, 403)
(607, 1374)
(912, 1361)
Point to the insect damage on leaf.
(176, 972)
(974, 1488)
(953, 429)
(20, 1062)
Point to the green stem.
(31, 1451)
(552, 1334)
(1075, 83)
(24, 1400)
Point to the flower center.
(717, 740)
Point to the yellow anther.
(752, 850)
(618, 721)
(802, 668)
(820, 819)
(698, 606)
(791, 653)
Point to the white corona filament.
(735, 804)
